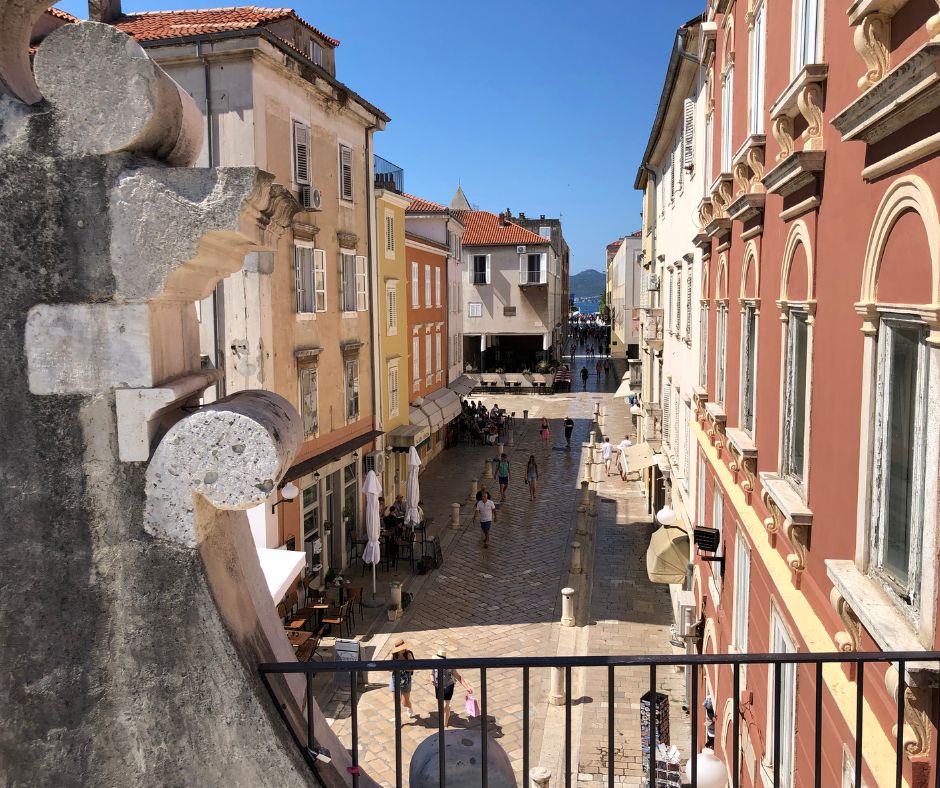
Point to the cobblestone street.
(506, 601)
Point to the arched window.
(750, 309)
(721, 328)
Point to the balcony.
(905, 747)
(388, 176)
(530, 277)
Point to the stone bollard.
(588, 469)
(487, 469)
(512, 437)
(581, 528)
(576, 567)
(585, 493)
(567, 607)
(473, 489)
(455, 515)
(592, 503)
(540, 777)
(502, 449)
(593, 438)
(556, 695)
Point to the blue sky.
(541, 106)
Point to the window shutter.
(391, 306)
(415, 359)
(299, 278)
(427, 285)
(543, 267)
(301, 154)
(389, 233)
(437, 287)
(319, 280)
(667, 417)
(428, 361)
(362, 281)
(523, 269)
(488, 279)
(688, 134)
(346, 178)
(414, 285)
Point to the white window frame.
(304, 289)
(703, 346)
(750, 335)
(415, 361)
(427, 286)
(798, 479)
(475, 309)
(437, 286)
(757, 68)
(439, 354)
(807, 34)
(347, 278)
(742, 592)
(391, 309)
(362, 283)
(309, 371)
(487, 274)
(308, 509)
(721, 354)
(346, 166)
(352, 389)
(415, 285)
(394, 393)
(727, 117)
(781, 642)
(428, 358)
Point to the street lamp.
(711, 770)
(666, 516)
(288, 492)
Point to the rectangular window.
(345, 172)
(393, 399)
(748, 367)
(415, 286)
(900, 438)
(316, 53)
(807, 34)
(474, 309)
(427, 285)
(303, 279)
(545, 231)
(757, 66)
(308, 400)
(352, 390)
(533, 269)
(389, 234)
(415, 362)
(428, 360)
(720, 353)
(677, 309)
(667, 412)
(301, 133)
(310, 499)
(437, 286)
(700, 495)
(348, 271)
(688, 134)
(727, 97)
(362, 284)
(439, 354)
(391, 309)
(742, 590)
(795, 395)
(319, 279)
(703, 346)
(481, 269)
(780, 643)
(688, 303)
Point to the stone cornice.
(799, 169)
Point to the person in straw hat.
(447, 690)
(400, 651)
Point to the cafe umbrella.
(414, 491)
(372, 554)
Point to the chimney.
(521, 215)
(542, 216)
(107, 11)
(502, 220)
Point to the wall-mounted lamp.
(355, 455)
(316, 476)
(288, 492)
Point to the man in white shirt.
(625, 444)
(606, 452)
(486, 511)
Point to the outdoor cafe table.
(297, 637)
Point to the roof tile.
(483, 229)
(419, 205)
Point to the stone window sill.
(790, 514)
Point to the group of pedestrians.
(444, 681)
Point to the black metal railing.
(388, 176)
(695, 664)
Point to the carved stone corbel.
(771, 524)
(742, 176)
(809, 101)
(749, 467)
(933, 25)
(848, 639)
(723, 197)
(755, 160)
(916, 738)
(872, 42)
(706, 212)
(797, 534)
(782, 129)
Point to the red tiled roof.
(154, 25)
(483, 229)
(423, 206)
(58, 13)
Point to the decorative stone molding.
(743, 460)
(873, 44)
(748, 164)
(848, 639)
(721, 192)
(917, 705)
(700, 398)
(717, 421)
(347, 239)
(789, 512)
(705, 212)
(795, 172)
(803, 96)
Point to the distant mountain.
(588, 284)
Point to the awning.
(426, 414)
(408, 435)
(638, 457)
(330, 455)
(623, 390)
(448, 402)
(280, 568)
(667, 557)
(464, 385)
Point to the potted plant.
(542, 366)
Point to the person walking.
(622, 447)
(569, 428)
(486, 511)
(606, 368)
(598, 367)
(443, 680)
(584, 376)
(544, 431)
(532, 476)
(504, 474)
(400, 651)
(606, 452)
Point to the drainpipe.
(218, 300)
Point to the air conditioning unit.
(653, 282)
(311, 199)
(374, 461)
(687, 615)
(520, 250)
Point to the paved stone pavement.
(505, 601)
